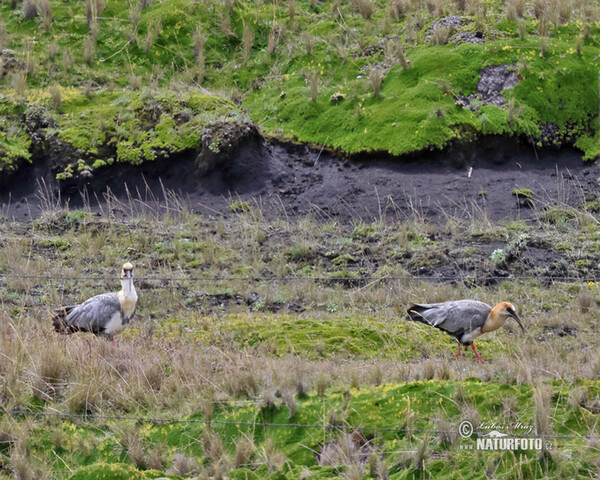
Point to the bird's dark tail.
(415, 313)
(59, 319)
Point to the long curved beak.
(516, 317)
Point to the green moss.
(114, 471)
(112, 117)
(590, 145)
(523, 193)
(240, 206)
(592, 206)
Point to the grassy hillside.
(244, 324)
(105, 81)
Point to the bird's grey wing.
(93, 314)
(454, 317)
(465, 316)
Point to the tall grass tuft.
(544, 42)
(89, 49)
(67, 59)
(244, 451)
(224, 22)
(579, 44)
(586, 301)
(18, 81)
(394, 53)
(46, 14)
(30, 9)
(375, 78)
(314, 85)
(542, 395)
(183, 466)
(521, 28)
(4, 36)
(247, 42)
(441, 35)
(275, 35)
(515, 9)
(364, 7)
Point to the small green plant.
(240, 206)
(524, 196)
(501, 256)
(558, 216)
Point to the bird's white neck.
(127, 296)
(127, 287)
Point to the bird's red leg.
(479, 359)
(458, 353)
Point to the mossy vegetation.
(121, 82)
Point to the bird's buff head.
(508, 310)
(127, 270)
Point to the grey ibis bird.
(104, 314)
(465, 320)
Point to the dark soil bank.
(295, 180)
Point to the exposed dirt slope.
(293, 180)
